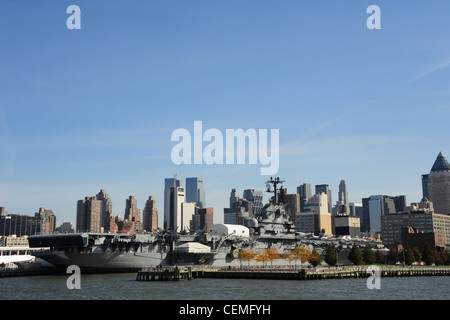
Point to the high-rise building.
(343, 192)
(195, 191)
(150, 215)
(180, 211)
(20, 225)
(168, 184)
(315, 217)
(48, 219)
(439, 185)
(106, 209)
(202, 219)
(376, 206)
(234, 197)
(132, 213)
(305, 194)
(255, 196)
(325, 189)
(89, 214)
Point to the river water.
(125, 287)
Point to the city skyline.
(92, 109)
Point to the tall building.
(180, 211)
(343, 192)
(150, 215)
(376, 206)
(132, 213)
(106, 209)
(202, 219)
(305, 194)
(234, 197)
(48, 220)
(89, 215)
(315, 217)
(439, 185)
(325, 189)
(168, 184)
(292, 205)
(255, 196)
(195, 191)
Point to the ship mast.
(275, 182)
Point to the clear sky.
(90, 109)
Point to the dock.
(349, 272)
(168, 274)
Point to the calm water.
(125, 287)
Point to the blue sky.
(82, 110)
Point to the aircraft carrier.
(114, 252)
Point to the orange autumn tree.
(247, 255)
(302, 254)
(272, 254)
(262, 256)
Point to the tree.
(409, 256)
(302, 254)
(315, 259)
(393, 255)
(417, 255)
(379, 256)
(330, 255)
(247, 255)
(355, 255)
(272, 254)
(368, 255)
(262, 256)
(427, 254)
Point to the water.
(125, 287)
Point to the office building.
(343, 192)
(150, 215)
(168, 184)
(20, 225)
(315, 218)
(423, 219)
(48, 220)
(346, 225)
(234, 197)
(324, 188)
(256, 197)
(195, 191)
(376, 206)
(439, 185)
(305, 194)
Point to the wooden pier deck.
(349, 272)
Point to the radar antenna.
(275, 182)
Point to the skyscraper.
(234, 197)
(195, 191)
(343, 192)
(324, 188)
(305, 194)
(169, 183)
(180, 212)
(150, 215)
(132, 213)
(256, 197)
(439, 185)
(106, 209)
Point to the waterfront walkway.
(167, 274)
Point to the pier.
(348, 272)
(168, 274)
